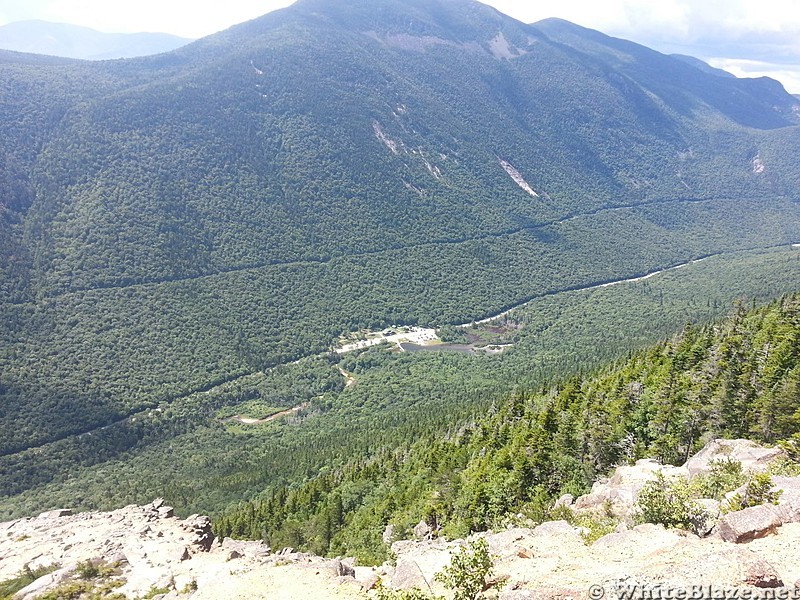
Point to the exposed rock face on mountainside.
(749, 454)
(147, 548)
(619, 492)
(552, 560)
(140, 550)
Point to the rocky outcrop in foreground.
(619, 492)
(159, 554)
(146, 551)
(552, 561)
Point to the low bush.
(758, 491)
(670, 503)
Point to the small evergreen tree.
(669, 503)
(468, 573)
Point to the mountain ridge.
(77, 42)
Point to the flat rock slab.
(752, 456)
(408, 575)
(749, 524)
(621, 490)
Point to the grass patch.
(251, 409)
(84, 590)
(25, 577)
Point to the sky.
(746, 37)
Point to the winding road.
(594, 286)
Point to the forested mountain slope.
(197, 452)
(737, 378)
(175, 222)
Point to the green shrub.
(96, 569)
(725, 475)
(84, 590)
(87, 570)
(593, 526)
(412, 594)
(190, 588)
(669, 503)
(155, 591)
(792, 448)
(469, 571)
(784, 467)
(25, 577)
(758, 491)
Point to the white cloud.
(180, 17)
(590, 14)
(788, 76)
(764, 16)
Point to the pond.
(465, 348)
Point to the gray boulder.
(367, 577)
(341, 569)
(249, 549)
(752, 456)
(749, 524)
(564, 501)
(508, 542)
(200, 528)
(752, 568)
(789, 500)
(55, 514)
(408, 575)
(761, 574)
(388, 534)
(422, 530)
(555, 528)
(44, 583)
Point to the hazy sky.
(746, 37)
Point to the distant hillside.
(72, 41)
